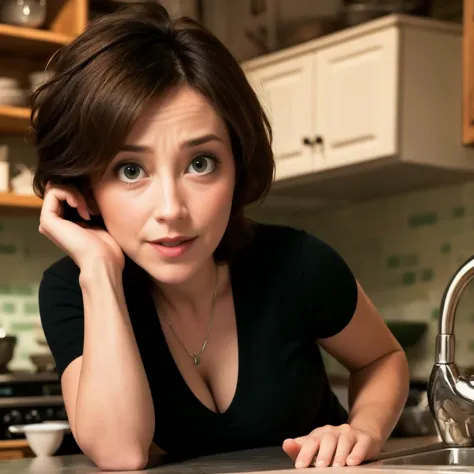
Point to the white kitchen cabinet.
(367, 111)
(285, 92)
(356, 99)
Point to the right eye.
(130, 172)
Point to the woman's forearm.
(377, 395)
(114, 416)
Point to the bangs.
(83, 114)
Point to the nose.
(169, 204)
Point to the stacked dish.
(11, 92)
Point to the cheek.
(120, 214)
(215, 214)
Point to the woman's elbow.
(123, 461)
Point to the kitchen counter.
(258, 460)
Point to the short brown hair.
(106, 77)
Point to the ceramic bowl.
(45, 438)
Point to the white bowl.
(44, 438)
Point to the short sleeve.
(329, 285)
(62, 312)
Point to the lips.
(172, 244)
(173, 247)
(172, 241)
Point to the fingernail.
(336, 464)
(299, 463)
(320, 463)
(351, 460)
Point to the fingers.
(53, 207)
(309, 450)
(292, 448)
(344, 447)
(326, 446)
(360, 450)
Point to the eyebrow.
(187, 144)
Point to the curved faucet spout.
(452, 295)
(451, 395)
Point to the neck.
(196, 293)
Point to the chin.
(172, 274)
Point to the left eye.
(202, 165)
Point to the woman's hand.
(332, 445)
(83, 244)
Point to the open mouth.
(173, 248)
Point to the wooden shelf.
(30, 41)
(17, 204)
(14, 443)
(14, 119)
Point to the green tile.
(7, 249)
(409, 278)
(393, 261)
(23, 326)
(470, 346)
(22, 290)
(8, 308)
(30, 308)
(435, 313)
(459, 211)
(446, 247)
(420, 220)
(471, 317)
(5, 290)
(427, 274)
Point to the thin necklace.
(197, 357)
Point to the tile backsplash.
(24, 254)
(402, 249)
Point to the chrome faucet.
(450, 393)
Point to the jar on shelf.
(4, 169)
(30, 13)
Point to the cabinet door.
(468, 73)
(285, 91)
(356, 99)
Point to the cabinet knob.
(317, 140)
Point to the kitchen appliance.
(26, 398)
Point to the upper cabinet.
(468, 73)
(355, 100)
(286, 89)
(368, 111)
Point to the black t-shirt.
(289, 288)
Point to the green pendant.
(197, 359)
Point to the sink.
(440, 456)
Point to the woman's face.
(167, 196)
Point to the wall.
(229, 20)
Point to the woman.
(173, 320)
